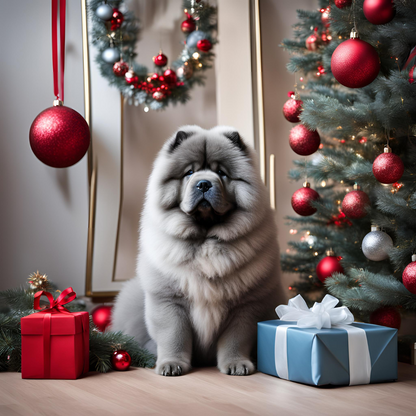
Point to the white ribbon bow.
(321, 315)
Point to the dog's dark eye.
(221, 173)
(189, 173)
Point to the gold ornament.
(185, 71)
(38, 282)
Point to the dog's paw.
(172, 368)
(237, 368)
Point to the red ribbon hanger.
(58, 72)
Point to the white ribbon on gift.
(323, 315)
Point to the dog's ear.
(180, 137)
(236, 140)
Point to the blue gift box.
(322, 356)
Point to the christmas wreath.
(115, 31)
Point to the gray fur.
(207, 271)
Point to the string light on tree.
(302, 200)
(377, 244)
(409, 276)
(356, 203)
(328, 265)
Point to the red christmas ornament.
(204, 45)
(170, 77)
(339, 220)
(101, 316)
(355, 63)
(325, 18)
(388, 167)
(321, 70)
(121, 360)
(303, 141)
(120, 68)
(328, 265)
(158, 95)
(302, 198)
(342, 3)
(409, 276)
(117, 19)
(312, 42)
(59, 136)
(291, 94)
(160, 60)
(355, 203)
(188, 25)
(292, 109)
(386, 316)
(379, 12)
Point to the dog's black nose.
(204, 185)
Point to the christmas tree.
(355, 100)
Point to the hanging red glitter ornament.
(312, 42)
(101, 316)
(355, 203)
(160, 59)
(325, 18)
(355, 63)
(117, 19)
(343, 3)
(59, 136)
(328, 265)
(388, 167)
(302, 198)
(409, 276)
(303, 141)
(188, 25)
(204, 45)
(379, 12)
(120, 68)
(292, 108)
(121, 360)
(386, 316)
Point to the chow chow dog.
(208, 262)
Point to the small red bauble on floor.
(388, 167)
(343, 3)
(328, 265)
(120, 68)
(188, 25)
(379, 12)
(303, 141)
(160, 59)
(409, 276)
(204, 45)
(101, 316)
(302, 198)
(355, 203)
(386, 316)
(292, 109)
(355, 63)
(121, 360)
(59, 136)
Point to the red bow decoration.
(55, 305)
(339, 220)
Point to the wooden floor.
(202, 392)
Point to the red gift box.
(55, 342)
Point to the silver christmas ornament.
(104, 12)
(377, 244)
(194, 37)
(111, 55)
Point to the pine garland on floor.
(17, 303)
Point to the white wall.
(44, 210)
